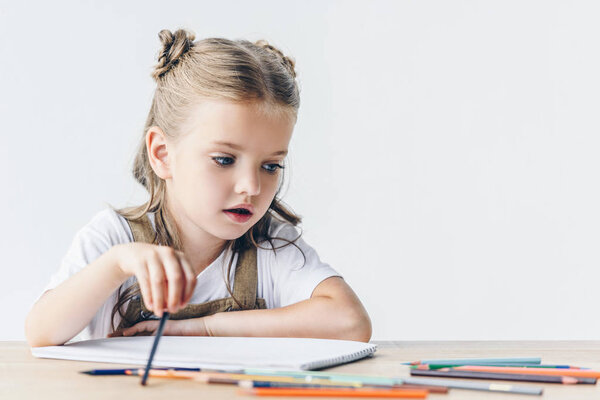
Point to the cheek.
(269, 188)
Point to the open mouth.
(241, 211)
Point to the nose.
(248, 182)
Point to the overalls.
(244, 286)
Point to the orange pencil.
(206, 376)
(202, 376)
(390, 393)
(581, 373)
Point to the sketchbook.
(226, 353)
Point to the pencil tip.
(86, 372)
(569, 380)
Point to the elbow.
(364, 329)
(34, 334)
(357, 327)
(33, 339)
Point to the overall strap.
(142, 230)
(246, 279)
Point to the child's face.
(209, 177)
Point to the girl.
(211, 158)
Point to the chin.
(232, 235)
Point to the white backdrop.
(445, 160)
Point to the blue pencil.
(124, 371)
(159, 332)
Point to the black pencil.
(159, 332)
(503, 377)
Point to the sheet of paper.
(214, 352)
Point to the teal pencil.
(365, 380)
(439, 366)
(480, 361)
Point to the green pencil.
(481, 361)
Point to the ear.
(158, 154)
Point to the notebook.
(227, 353)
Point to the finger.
(141, 327)
(157, 284)
(175, 279)
(143, 279)
(190, 279)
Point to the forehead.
(247, 124)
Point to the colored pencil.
(124, 371)
(161, 327)
(481, 386)
(247, 384)
(481, 361)
(582, 373)
(439, 366)
(266, 382)
(251, 384)
(389, 393)
(364, 379)
(371, 380)
(205, 377)
(303, 383)
(504, 377)
(430, 389)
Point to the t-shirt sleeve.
(295, 276)
(90, 242)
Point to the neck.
(200, 247)
(199, 252)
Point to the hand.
(165, 276)
(182, 327)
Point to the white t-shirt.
(283, 277)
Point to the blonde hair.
(213, 68)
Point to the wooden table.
(23, 376)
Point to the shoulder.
(283, 229)
(287, 248)
(108, 225)
(105, 229)
(284, 240)
(290, 265)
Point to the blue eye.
(223, 161)
(226, 161)
(272, 168)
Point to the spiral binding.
(341, 359)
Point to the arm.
(165, 277)
(65, 310)
(332, 312)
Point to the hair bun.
(175, 45)
(289, 62)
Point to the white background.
(445, 160)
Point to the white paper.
(213, 352)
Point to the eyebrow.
(239, 148)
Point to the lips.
(241, 209)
